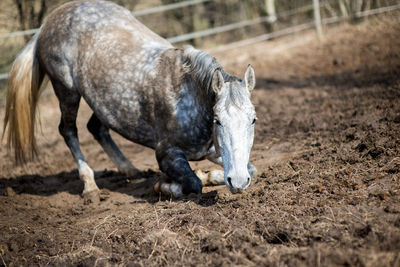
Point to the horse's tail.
(23, 89)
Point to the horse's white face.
(234, 118)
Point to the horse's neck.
(200, 67)
(204, 96)
(187, 74)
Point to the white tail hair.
(22, 95)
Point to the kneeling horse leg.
(172, 161)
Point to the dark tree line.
(32, 12)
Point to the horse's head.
(234, 118)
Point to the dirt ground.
(327, 193)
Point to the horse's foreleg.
(213, 177)
(172, 161)
(101, 133)
(69, 104)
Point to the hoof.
(91, 197)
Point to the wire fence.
(138, 13)
(298, 28)
(232, 26)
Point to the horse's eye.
(254, 121)
(217, 122)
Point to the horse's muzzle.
(237, 187)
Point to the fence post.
(271, 12)
(317, 18)
(343, 8)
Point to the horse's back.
(80, 30)
(76, 18)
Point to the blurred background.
(202, 23)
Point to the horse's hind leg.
(101, 134)
(69, 104)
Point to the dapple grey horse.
(179, 102)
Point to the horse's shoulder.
(171, 64)
(171, 55)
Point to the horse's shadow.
(140, 186)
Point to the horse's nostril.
(248, 180)
(230, 182)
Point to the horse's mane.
(201, 67)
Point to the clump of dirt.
(327, 193)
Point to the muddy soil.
(327, 148)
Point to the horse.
(178, 101)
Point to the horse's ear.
(250, 78)
(217, 82)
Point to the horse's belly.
(115, 88)
(123, 111)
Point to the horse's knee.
(172, 161)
